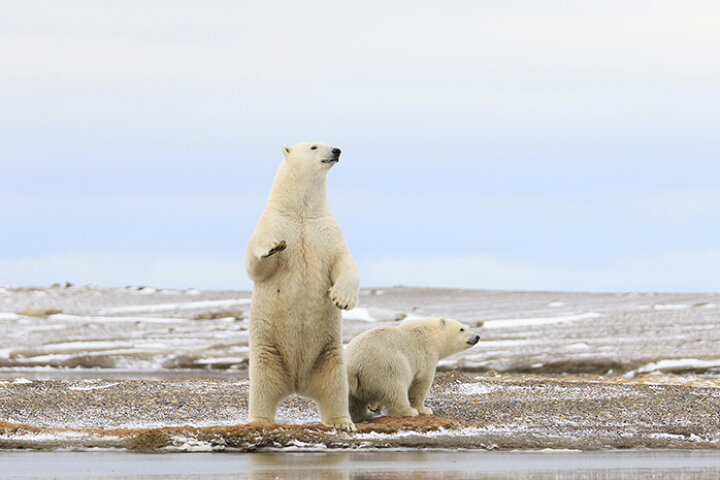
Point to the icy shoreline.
(483, 412)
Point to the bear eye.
(314, 147)
(462, 329)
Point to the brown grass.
(254, 435)
(39, 312)
(236, 314)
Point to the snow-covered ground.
(164, 370)
(100, 332)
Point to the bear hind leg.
(359, 410)
(328, 386)
(418, 393)
(397, 403)
(268, 384)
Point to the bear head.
(311, 157)
(457, 336)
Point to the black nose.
(336, 152)
(474, 340)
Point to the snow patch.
(707, 305)
(42, 328)
(93, 387)
(101, 319)
(503, 343)
(523, 322)
(670, 306)
(16, 381)
(189, 444)
(372, 315)
(669, 365)
(169, 307)
(475, 388)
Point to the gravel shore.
(148, 369)
(489, 412)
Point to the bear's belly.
(293, 314)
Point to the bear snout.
(334, 156)
(474, 340)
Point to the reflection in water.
(625, 465)
(355, 465)
(323, 466)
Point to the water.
(556, 465)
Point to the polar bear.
(395, 366)
(303, 274)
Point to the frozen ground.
(520, 412)
(164, 370)
(144, 332)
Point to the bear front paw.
(276, 248)
(343, 298)
(424, 411)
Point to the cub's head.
(311, 157)
(457, 336)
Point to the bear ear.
(443, 322)
(285, 151)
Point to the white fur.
(394, 367)
(303, 274)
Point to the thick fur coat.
(394, 367)
(303, 275)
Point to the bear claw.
(279, 247)
(342, 299)
(343, 425)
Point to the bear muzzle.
(474, 340)
(335, 156)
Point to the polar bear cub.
(303, 275)
(395, 366)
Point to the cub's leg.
(390, 389)
(269, 383)
(418, 393)
(396, 402)
(359, 410)
(328, 386)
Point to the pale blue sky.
(565, 145)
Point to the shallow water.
(426, 465)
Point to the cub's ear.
(443, 322)
(285, 151)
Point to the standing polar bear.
(394, 367)
(303, 275)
